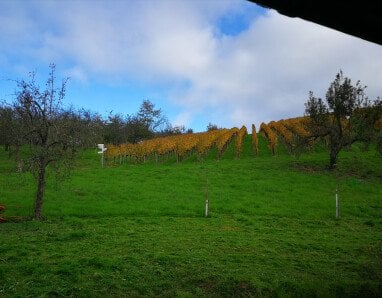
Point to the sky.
(226, 62)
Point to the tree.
(152, 118)
(211, 126)
(48, 130)
(114, 129)
(171, 130)
(90, 127)
(144, 125)
(346, 117)
(175, 130)
(7, 122)
(136, 130)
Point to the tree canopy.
(345, 117)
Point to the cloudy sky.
(226, 62)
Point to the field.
(139, 229)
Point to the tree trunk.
(334, 150)
(39, 194)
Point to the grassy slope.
(139, 229)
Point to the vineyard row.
(289, 132)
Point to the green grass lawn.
(139, 229)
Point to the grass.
(138, 230)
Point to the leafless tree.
(48, 131)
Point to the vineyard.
(286, 132)
(140, 230)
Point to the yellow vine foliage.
(206, 141)
(255, 141)
(290, 130)
(165, 145)
(179, 145)
(239, 140)
(297, 126)
(270, 136)
(185, 143)
(111, 152)
(283, 132)
(224, 139)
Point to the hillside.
(138, 229)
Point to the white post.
(206, 211)
(337, 205)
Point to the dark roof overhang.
(362, 19)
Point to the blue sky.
(229, 62)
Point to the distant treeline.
(91, 128)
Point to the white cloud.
(76, 73)
(266, 72)
(263, 73)
(183, 119)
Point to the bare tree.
(47, 129)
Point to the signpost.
(103, 149)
